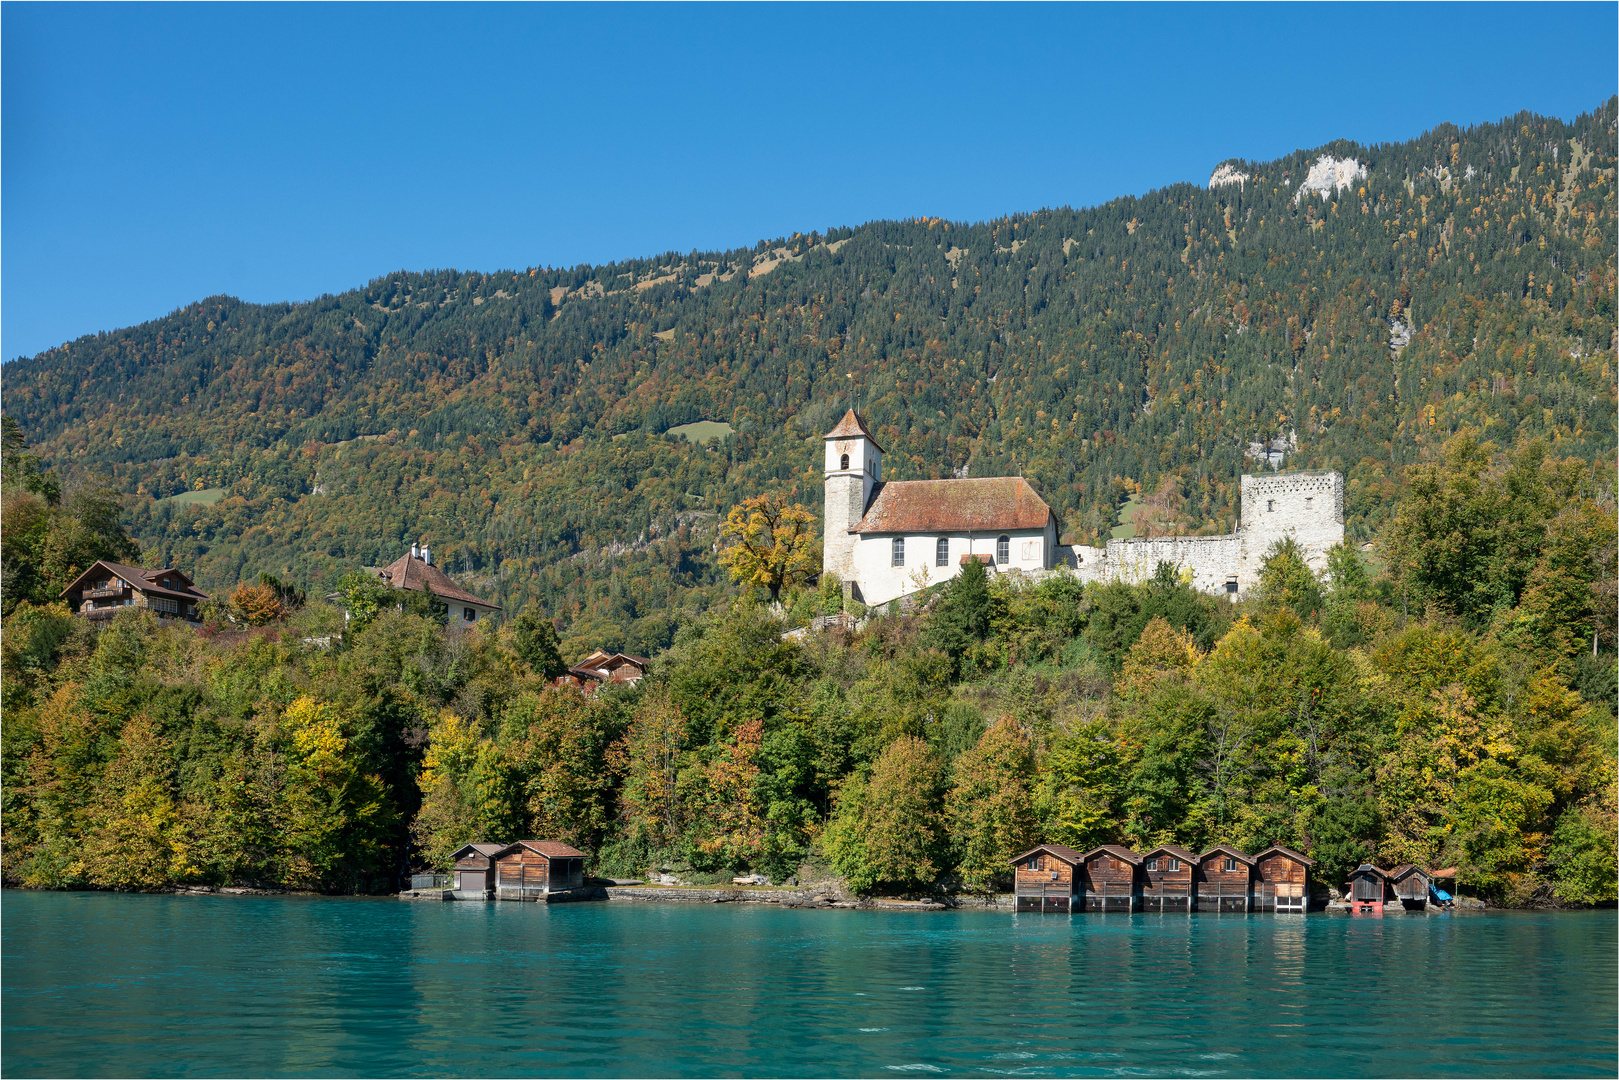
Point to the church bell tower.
(854, 465)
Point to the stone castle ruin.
(1306, 506)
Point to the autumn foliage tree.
(773, 543)
(257, 604)
(648, 760)
(889, 828)
(990, 807)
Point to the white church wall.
(864, 457)
(880, 581)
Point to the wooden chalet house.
(1171, 879)
(108, 588)
(475, 868)
(1110, 879)
(602, 667)
(1045, 879)
(1410, 886)
(1283, 880)
(530, 869)
(1368, 886)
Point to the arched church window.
(1003, 549)
(845, 463)
(899, 551)
(941, 556)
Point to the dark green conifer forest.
(1440, 329)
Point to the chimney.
(415, 552)
(427, 556)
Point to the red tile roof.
(410, 572)
(852, 426)
(998, 504)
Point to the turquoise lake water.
(116, 985)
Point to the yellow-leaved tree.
(772, 543)
(335, 822)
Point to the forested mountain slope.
(517, 420)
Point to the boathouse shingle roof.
(1062, 851)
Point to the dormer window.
(1152, 864)
(845, 463)
(1230, 866)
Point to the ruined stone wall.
(1307, 506)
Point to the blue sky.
(155, 155)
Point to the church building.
(885, 539)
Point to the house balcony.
(102, 594)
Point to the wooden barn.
(1045, 879)
(1410, 885)
(1283, 883)
(1110, 879)
(529, 869)
(1225, 879)
(1171, 879)
(1367, 888)
(474, 870)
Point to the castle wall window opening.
(845, 464)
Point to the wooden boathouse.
(1045, 878)
(1171, 879)
(1367, 887)
(530, 869)
(1225, 879)
(1283, 880)
(1110, 879)
(474, 870)
(1410, 886)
